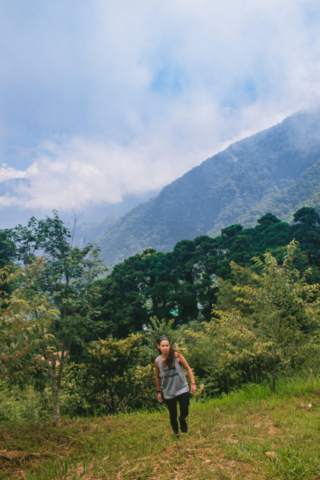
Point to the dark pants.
(183, 400)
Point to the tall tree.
(67, 279)
(7, 249)
(307, 231)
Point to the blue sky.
(99, 99)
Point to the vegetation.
(247, 434)
(112, 380)
(66, 282)
(78, 347)
(25, 320)
(7, 249)
(273, 302)
(273, 322)
(304, 191)
(183, 283)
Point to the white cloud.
(7, 173)
(131, 95)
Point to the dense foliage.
(111, 380)
(270, 323)
(183, 283)
(25, 321)
(66, 282)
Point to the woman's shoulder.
(157, 360)
(177, 355)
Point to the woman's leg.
(184, 400)
(172, 406)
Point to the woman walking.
(170, 366)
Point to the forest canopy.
(182, 284)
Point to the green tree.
(183, 283)
(122, 304)
(68, 281)
(25, 320)
(307, 231)
(112, 380)
(282, 319)
(7, 249)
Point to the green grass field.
(249, 434)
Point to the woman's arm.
(158, 382)
(184, 362)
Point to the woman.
(170, 372)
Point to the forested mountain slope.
(305, 191)
(223, 188)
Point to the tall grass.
(22, 405)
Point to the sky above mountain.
(100, 99)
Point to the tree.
(25, 321)
(122, 303)
(307, 216)
(283, 318)
(107, 380)
(7, 249)
(276, 235)
(231, 232)
(183, 282)
(307, 231)
(267, 220)
(67, 279)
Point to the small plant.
(23, 405)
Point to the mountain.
(91, 220)
(254, 173)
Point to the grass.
(228, 438)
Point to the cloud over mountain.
(103, 99)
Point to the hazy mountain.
(255, 173)
(91, 220)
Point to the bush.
(23, 406)
(111, 381)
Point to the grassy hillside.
(246, 435)
(219, 191)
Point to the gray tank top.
(173, 380)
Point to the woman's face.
(164, 347)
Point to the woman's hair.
(170, 360)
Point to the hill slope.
(228, 438)
(220, 190)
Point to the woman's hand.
(193, 388)
(159, 398)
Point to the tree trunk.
(112, 400)
(274, 373)
(273, 385)
(56, 408)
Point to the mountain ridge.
(220, 190)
